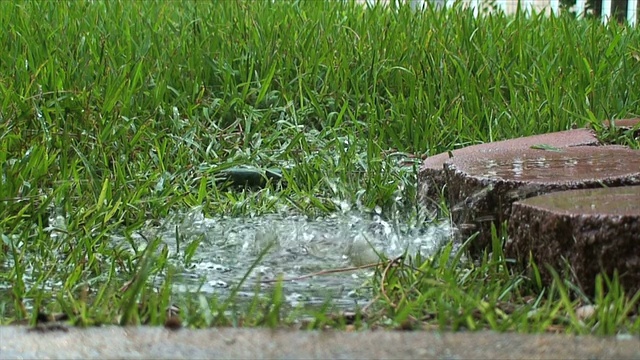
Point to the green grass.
(115, 114)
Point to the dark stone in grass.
(431, 178)
(250, 177)
(580, 233)
(482, 186)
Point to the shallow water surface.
(297, 246)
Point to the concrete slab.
(431, 178)
(624, 124)
(481, 187)
(568, 138)
(594, 230)
(160, 343)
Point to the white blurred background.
(622, 10)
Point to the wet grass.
(114, 115)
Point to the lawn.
(117, 114)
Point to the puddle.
(570, 164)
(298, 246)
(617, 201)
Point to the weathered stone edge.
(147, 342)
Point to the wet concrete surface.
(482, 187)
(561, 139)
(612, 202)
(625, 124)
(537, 166)
(594, 230)
(431, 177)
(160, 343)
(481, 182)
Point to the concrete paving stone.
(158, 343)
(623, 123)
(593, 230)
(431, 178)
(482, 186)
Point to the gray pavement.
(159, 343)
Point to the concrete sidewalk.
(159, 343)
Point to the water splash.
(298, 246)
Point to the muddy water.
(297, 246)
